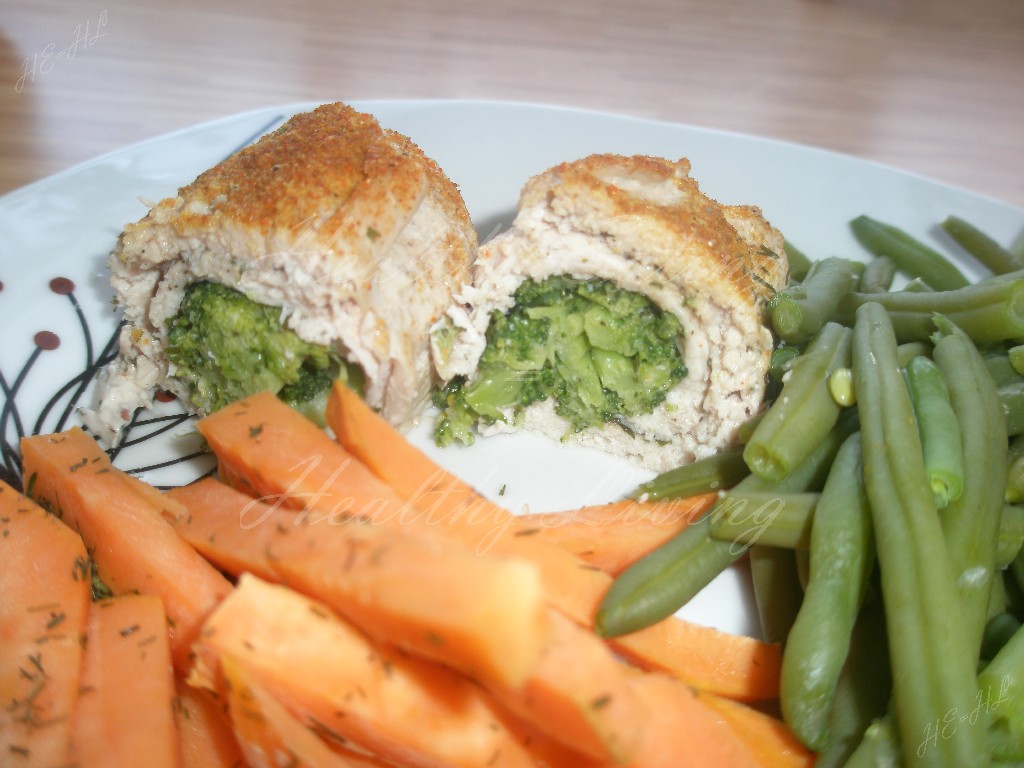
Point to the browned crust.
(752, 268)
(445, 190)
(300, 174)
(288, 175)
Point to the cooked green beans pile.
(879, 496)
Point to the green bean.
(788, 525)
(998, 259)
(1010, 537)
(987, 312)
(1002, 696)
(997, 604)
(782, 360)
(803, 566)
(799, 264)
(1013, 585)
(911, 349)
(1001, 369)
(777, 590)
(841, 560)
(1016, 571)
(1009, 277)
(798, 312)
(911, 256)
(939, 429)
(764, 517)
(1017, 246)
(1010, 384)
(811, 473)
(863, 690)
(715, 472)
(746, 429)
(970, 523)
(1011, 397)
(1015, 471)
(917, 285)
(878, 275)
(933, 658)
(663, 581)
(1016, 357)
(998, 631)
(880, 746)
(804, 411)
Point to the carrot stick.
(614, 536)
(367, 436)
(574, 686)
(334, 679)
(232, 530)
(684, 731)
(133, 546)
(125, 709)
(583, 695)
(204, 730)
(264, 728)
(284, 459)
(575, 689)
(771, 741)
(482, 614)
(45, 588)
(734, 666)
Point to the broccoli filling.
(601, 352)
(226, 346)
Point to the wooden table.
(931, 86)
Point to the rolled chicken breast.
(623, 310)
(328, 248)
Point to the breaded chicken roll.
(623, 309)
(328, 248)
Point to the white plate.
(64, 226)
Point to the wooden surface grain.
(931, 86)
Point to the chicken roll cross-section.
(328, 248)
(623, 310)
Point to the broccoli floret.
(601, 352)
(226, 346)
(455, 422)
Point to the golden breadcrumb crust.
(306, 176)
(689, 234)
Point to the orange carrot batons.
(204, 729)
(769, 738)
(126, 707)
(484, 615)
(45, 589)
(269, 735)
(684, 733)
(134, 548)
(574, 687)
(329, 674)
(384, 450)
(285, 459)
